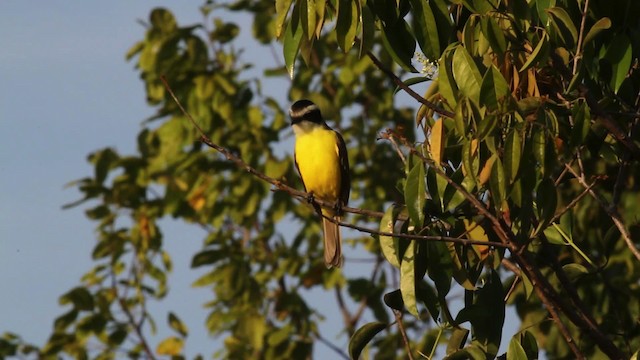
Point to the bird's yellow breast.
(319, 163)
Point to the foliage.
(518, 186)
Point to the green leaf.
(541, 7)
(512, 155)
(425, 29)
(494, 34)
(581, 124)
(408, 280)
(538, 54)
(80, 297)
(399, 43)
(446, 82)
(207, 257)
(389, 244)
(460, 273)
(497, 183)
(457, 339)
(494, 88)
(415, 194)
(429, 298)
(529, 344)
(176, 324)
(308, 17)
(539, 146)
(466, 74)
(515, 350)
(347, 23)
(547, 201)
(600, 25)
(282, 8)
(565, 29)
(163, 20)
(619, 54)
(292, 37)
(394, 300)
(367, 37)
(362, 336)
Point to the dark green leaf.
(176, 324)
(426, 29)
(497, 183)
(347, 23)
(362, 336)
(80, 297)
(563, 25)
(207, 257)
(581, 124)
(620, 57)
(494, 88)
(512, 155)
(394, 300)
(547, 201)
(399, 43)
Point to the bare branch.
(407, 345)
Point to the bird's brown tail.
(332, 243)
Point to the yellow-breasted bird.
(322, 161)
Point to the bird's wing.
(345, 177)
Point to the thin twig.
(578, 56)
(613, 214)
(398, 315)
(336, 349)
(407, 89)
(346, 315)
(137, 328)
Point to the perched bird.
(321, 159)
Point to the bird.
(320, 156)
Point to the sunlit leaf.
(538, 54)
(466, 74)
(494, 88)
(170, 346)
(512, 155)
(415, 194)
(408, 279)
(600, 25)
(389, 245)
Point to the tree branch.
(407, 89)
(405, 340)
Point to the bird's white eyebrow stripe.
(303, 111)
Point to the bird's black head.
(305, 110)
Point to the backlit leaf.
(408, 279)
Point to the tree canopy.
(511, 180)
